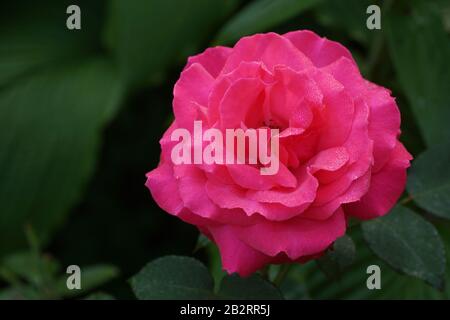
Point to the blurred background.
(82, 111)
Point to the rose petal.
(320, 51)
(194, 85)
(212, 59)
(297, 237)
(270, 49)
(385, 188)
(236, 255)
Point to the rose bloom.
(339, 151)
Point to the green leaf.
(408, 243)
(260, 16)
(338, 258)
(148, 35)
(31, 42)
(429, 180)
(50, 126)
(420, 49)
(173, 277)
(308, 282)
(253, 287)
(91, 277)
(349, 15)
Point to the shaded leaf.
(308, 282)
(50, 126)
(148, 35)
(420, 49)
(429, 180)
(253, 287)
(173, 277)
(260, 16)
(338, 258)
(349, 15)
(408, 243)
(31, 42)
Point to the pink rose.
(338, 148)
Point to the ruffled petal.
(384, 119)
(242, 99)
(296, 237)
(190, 91)
(164, 188)
(270, 49)
(212, 59)
(320, 51)
(236, 255)
(386, 186)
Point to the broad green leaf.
(308, 282)
(349, 15)
(420, 49)
(50, 126)
(408, 243)
(260, 16)
(173, 277)
(429, 180)
(338, 257)
(32, 42)
(253, 287)
(91, 277)
(148, 35)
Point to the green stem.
(406, 200)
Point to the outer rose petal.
(384, 121)
(194, 85)
(212, 59)
(296, 237)
(236, 255)
(384, 124)
(320, 51)
(386, 186)
(164, 188)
